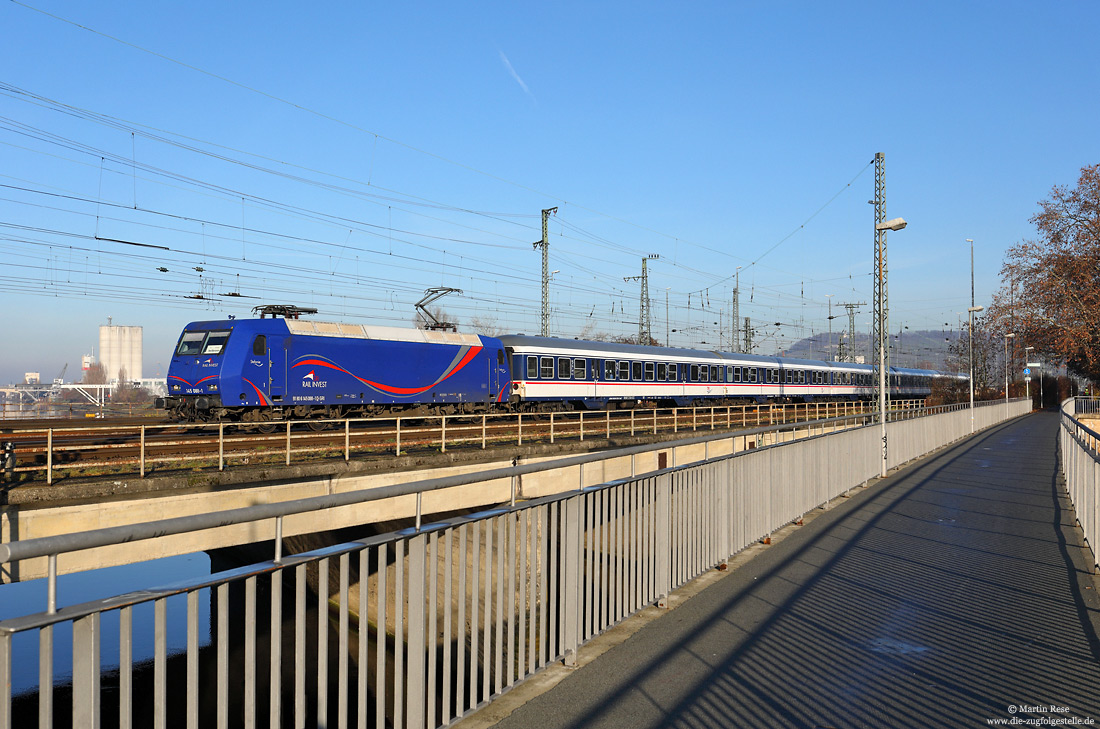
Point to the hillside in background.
(920, 349)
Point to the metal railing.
(143, 448)
(445, 617)
(1081, 464)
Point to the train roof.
(370, 331)
(342, 330)
(625, 349)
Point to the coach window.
(565, 369)
(191, 343)
(609, 369)
(259, 345)
(736, 374)
(636, 371)
(624, 371)
(215, 342)
(532, 368)
(662, 372)
(649, 372)
(672, 372)
(789, 377)
(546, 368)
(580, 369)
(693, 375)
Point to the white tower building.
(120, 349)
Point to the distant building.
(120, 349)
(32, 378)
(87, 361)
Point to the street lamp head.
(1010, 335)
(975, 308)
(969, 240)
(895, 224)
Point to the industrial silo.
(120, 348)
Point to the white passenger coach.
(594, 374)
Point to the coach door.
(498, 376)
(277, 354)
(266, 368)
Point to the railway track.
(48, 450)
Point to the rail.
(1080, 446)
(143, 449)
(445, 617)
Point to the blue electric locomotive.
(264, 369)
(260, 370)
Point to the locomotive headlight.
(213, 387)
(175, 388)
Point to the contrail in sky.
(508, 65)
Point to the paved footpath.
(952, 594)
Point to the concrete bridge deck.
(957, 592)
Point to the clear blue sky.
(421, 140)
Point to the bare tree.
(986, 359)
(487, 326)
(1051, 292)
(95, 375)
(438, 312)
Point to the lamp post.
(1008, 336)
(971, 242)
(882, 333)
(970, 313)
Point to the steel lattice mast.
(881, 323)
(644, 318)
(849, 356)
(544, 324)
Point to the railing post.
(347, 441)
(278, 539)
(142, 456)
(631, 422)
(662, 539)
(221, 446)
(415, 688)
(608, 413)
(551, 427)
(288, 442)
(398, 430)
(675, 420)
(519, 430)
(582, 425)
(654, 421)
(5, 680)
(49, 455)
(571, 576)
(484, 419)
(86, 670)
(443, 433)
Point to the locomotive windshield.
(192, 343)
